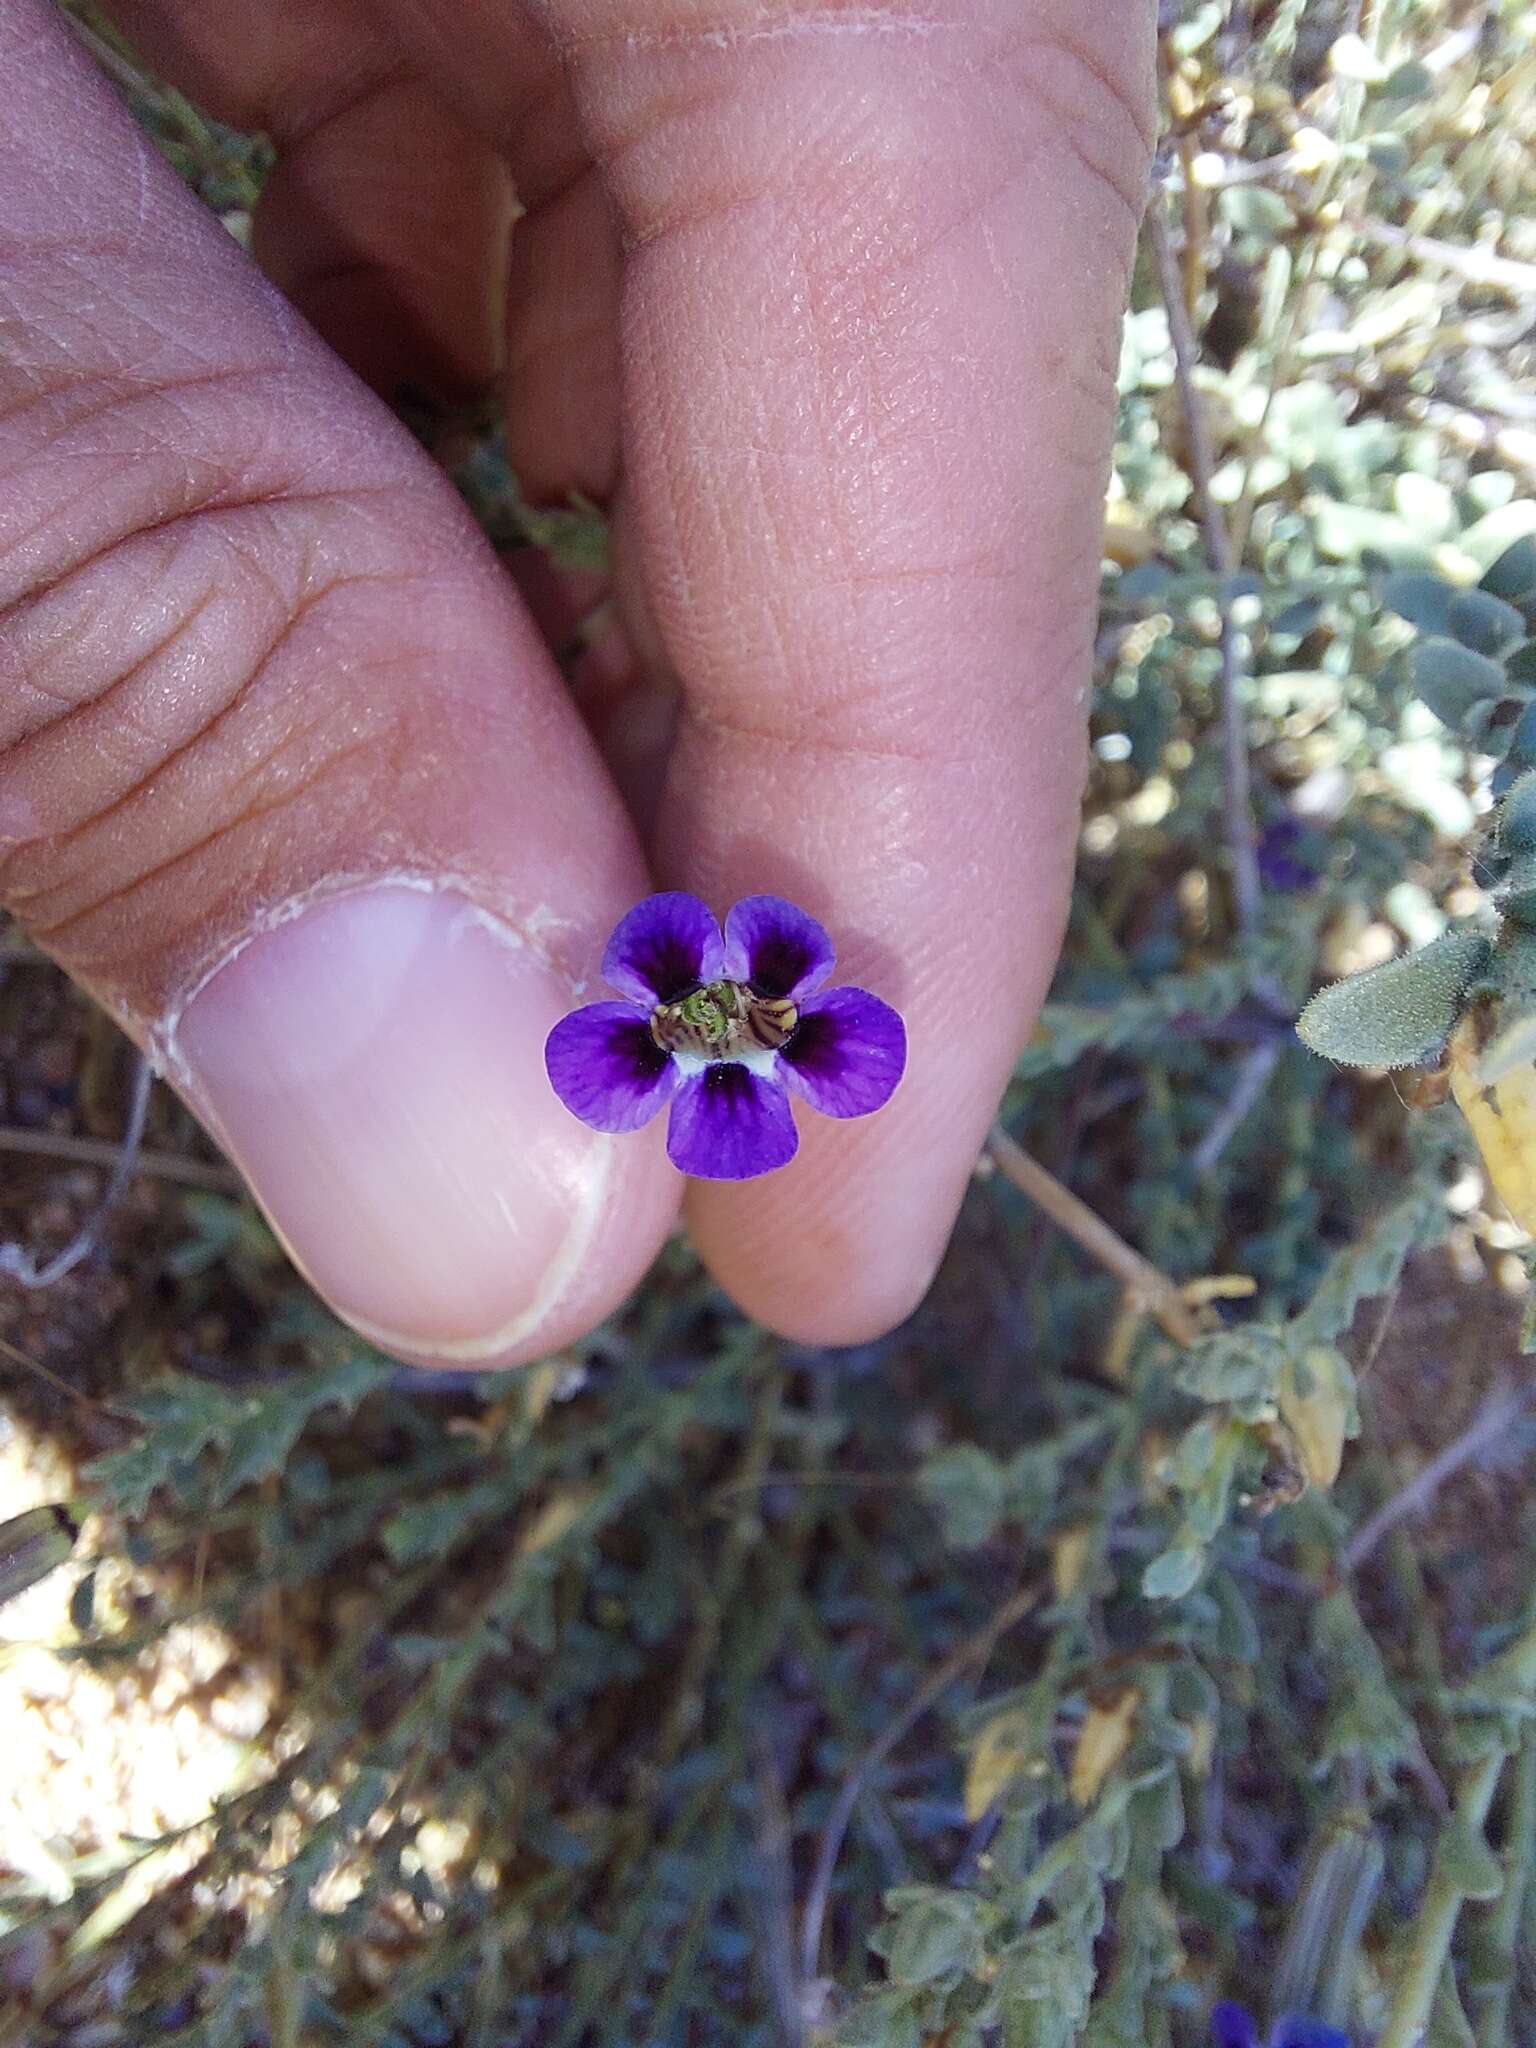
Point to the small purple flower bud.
(725, 1027)
(1233, 2027)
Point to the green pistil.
(710, 1011)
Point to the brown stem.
(1147, 1289)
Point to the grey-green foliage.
(1459, 684)
(973, 1491)
(1066, 1031)
(252, 1432)
(1472, 669)
(1401, 1012)
(1366, 1719)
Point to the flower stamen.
(723, 1020)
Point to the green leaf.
(1497, 536)
(1371, 1266)
(885, 2019)
(1366, 1718)
(1066, 1031)
(1516, 831)
(1046, 1982)
(185, 1417)
(1399, 1013)
(1256, 210)
(1512, 575)
(1484, 623)
(1410, 81)
(936, 1936)
(439, 1524)
(968, 1490)
(1346, 533)
(1173, 1574)
(270, 1425)
(1421, 598)
(1454, 680)
(1232, 1365)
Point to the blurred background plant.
(1113, 1638)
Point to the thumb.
(286, 779)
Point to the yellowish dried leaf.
(1317, 1406)
(1102, 1742)
(1502, 1114)
(1070, 1551)
(1202, 1745)
(1007, 1748)
(1127, 542)
(554, 1519)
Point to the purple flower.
(724, 1026)
(1232, 2027)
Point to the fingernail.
(374, 1067)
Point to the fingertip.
(841, 1245)
(373, 1064)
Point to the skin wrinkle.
(295, 612)
(67, 708)
(216, 508)
(729, 31)
(712, 725)
(21, 616)
(55, 934)
(110, 403)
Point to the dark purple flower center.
(723, 1020)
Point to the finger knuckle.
(152, 633)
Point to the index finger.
(876, 265)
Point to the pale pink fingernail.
(374, 1067)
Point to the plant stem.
(1443, 1899)
(1490, 1993)
(1220, 554)
(1147, 1288)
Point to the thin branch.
(1488, 1427)
(974, 1650)
(1490, 1986)
(18, 1264)
(776, 1893)
(195, 1173)
(1252, 1078)
(1242, 851)
(1476, 266)
(1146, 1287)
(44, 1372)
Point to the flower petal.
(607, 1069)
(847, 1053)
(777, 947)
(1296, 2031)
(665, 946)
(1231, 2027)
(730, 1124)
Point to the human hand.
(822, 301)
